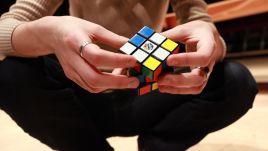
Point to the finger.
(195, 78)
(117, 81)
(102, 58)
(177, 34)
(77, 75)
(201, 58)
(107, 37)
(182, 90)
(99, 57)
(78, 80)
(97, 79)
(204, 45)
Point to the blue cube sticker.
(137, 40)
(146, 32)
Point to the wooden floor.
(250, 133)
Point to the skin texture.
(63, 36)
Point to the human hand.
(68, 35)
(204, 48)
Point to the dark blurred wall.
(4, 5)
(212, 1)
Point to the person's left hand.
(204, 48)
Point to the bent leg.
(176, 122)
(44, 106)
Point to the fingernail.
(132, 62)
(133, 84)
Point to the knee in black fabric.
(242, 84)
(239, 91)
(45, 110)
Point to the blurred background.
(244, 26)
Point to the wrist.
(43, 32)
(32, 38)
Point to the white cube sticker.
(161, 53)
(157, 38)
(128, 48)
(140, 55)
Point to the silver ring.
(204, 70)
(83, 45)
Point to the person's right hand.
(65, 35)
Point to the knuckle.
(69, 40)
(98, 28)
(95, 58)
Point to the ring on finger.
(82, 47)
(205, 70)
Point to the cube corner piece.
(147, 88)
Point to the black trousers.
(53, 109)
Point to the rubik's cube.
(151, 50)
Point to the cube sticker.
(140, 55)
(137, 40)
(128, 48)
(161, 54)
(151, 50)
(157, 38)
(169, 45)
(146, 32)
(154, 86)
(151, 63)
(148, 47)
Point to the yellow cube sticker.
(154, 86)
(169, 45)
(151, 63)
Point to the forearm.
(21, 12)
(190, 10)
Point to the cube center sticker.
(148, 47)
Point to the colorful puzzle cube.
(151, 50)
